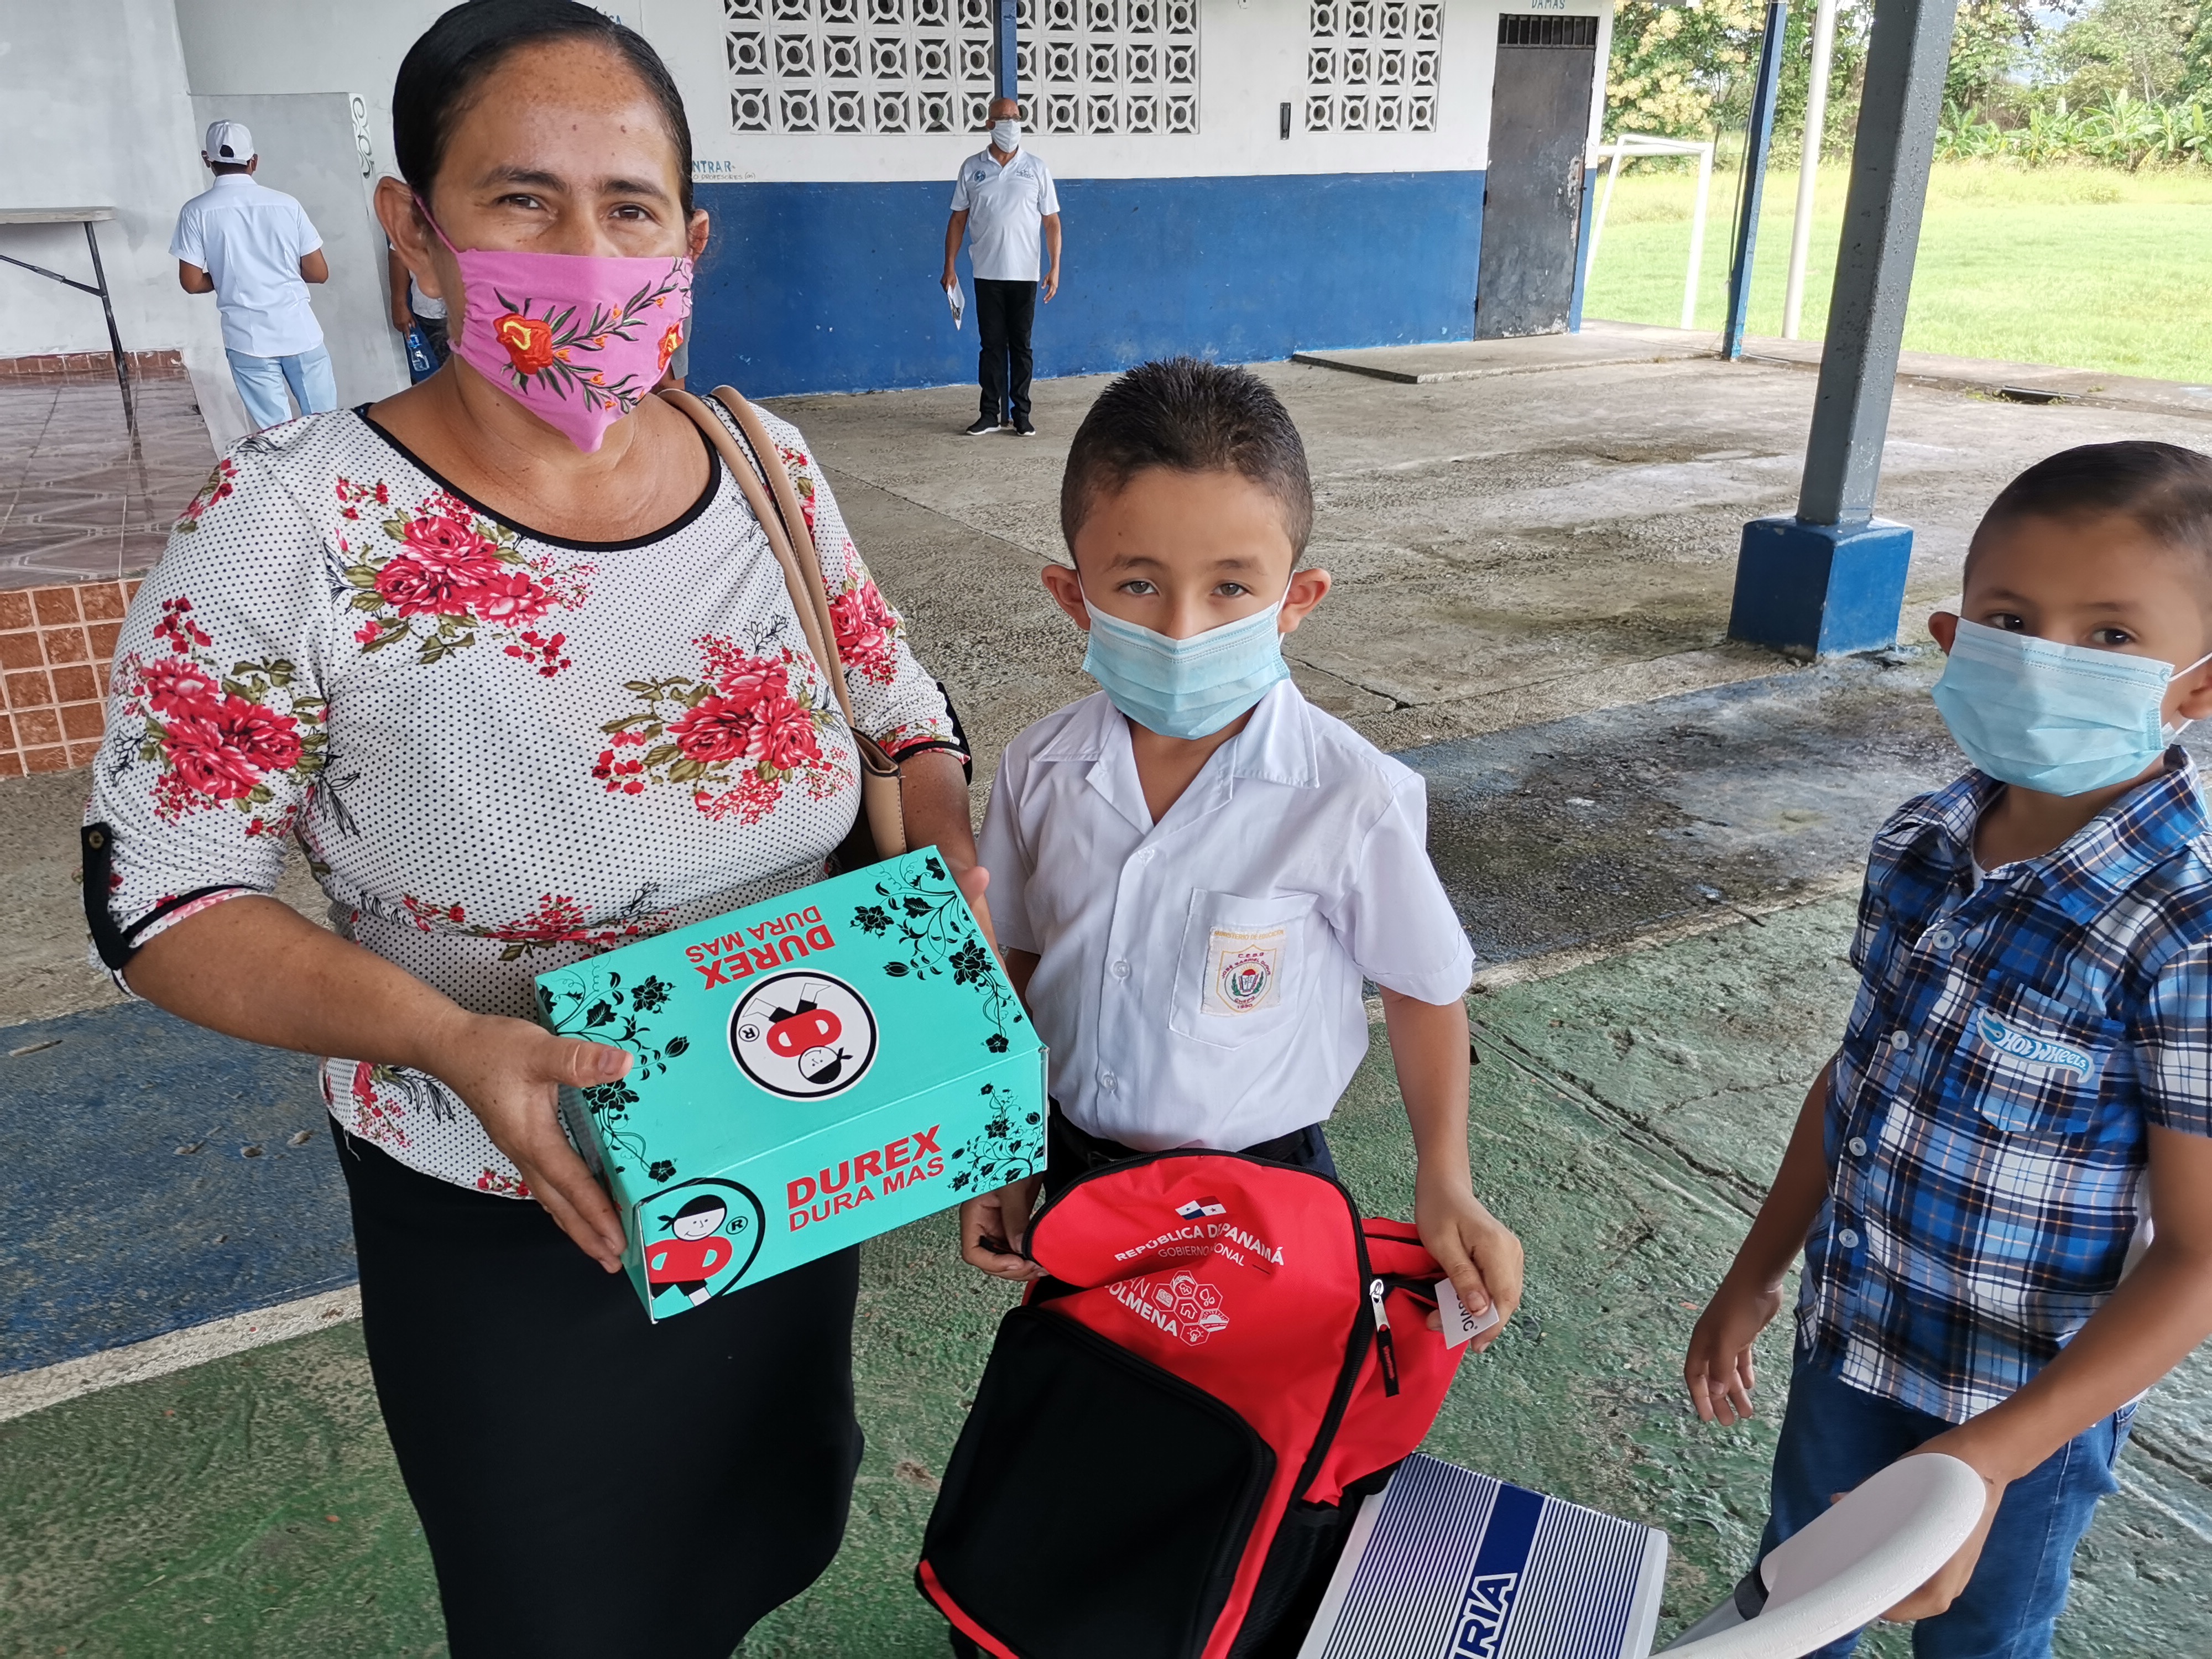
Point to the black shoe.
(1022, 427)
(982, 425)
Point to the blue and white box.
(1446, 1564)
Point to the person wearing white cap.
(255, 250)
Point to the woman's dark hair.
(2164, 488)
(1189, 417)
(441, 72)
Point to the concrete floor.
(1652, 836)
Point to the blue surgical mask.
(2061, 718)
(1186, 688)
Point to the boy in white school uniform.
(1192, 870)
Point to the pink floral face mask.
(578, 338)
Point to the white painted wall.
(93, 111)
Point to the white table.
(87, 216)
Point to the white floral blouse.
(501, 751)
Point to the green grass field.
(2080, 268)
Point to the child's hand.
(1478, 1252)
(1002, 1217)
(1950, 1580)
(1718, 1369)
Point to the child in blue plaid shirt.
(2027, 1077)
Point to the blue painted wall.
(832, 287)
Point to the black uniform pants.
(591, 1484)
(1004, 314)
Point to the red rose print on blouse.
(736, 737)
(216, 489)
(446, 573)
(179, 685)
(556, 918)
(219, 738)
(867, 630)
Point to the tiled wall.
(55, 646)
(93, 366)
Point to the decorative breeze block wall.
(1371, 65)
(906, 66)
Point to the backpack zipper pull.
(1386, 1350)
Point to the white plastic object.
(1873, 1547)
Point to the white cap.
(229, 141)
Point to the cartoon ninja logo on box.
(804, 1036)
(711, 1236)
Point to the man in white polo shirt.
(1005, 203)
(255, 251)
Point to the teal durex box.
(810, 1071)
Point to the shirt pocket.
(2029, 1064)
(1242, 972)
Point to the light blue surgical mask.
(2061, 718)
(1186, 688)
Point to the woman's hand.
(1719, 1370)
(509, 1072)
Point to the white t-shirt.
(1007, 208)
(251, 238)
(1199, 979)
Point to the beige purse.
(880, 830)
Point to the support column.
(1004, 59)
(1830, 579)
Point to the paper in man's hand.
(958, 302)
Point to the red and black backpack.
(1175, 1426)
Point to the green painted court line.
(206, 1534)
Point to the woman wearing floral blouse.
(520, 698)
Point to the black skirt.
(590, 1483)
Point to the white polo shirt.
(1199, 980)
(1007, 208)
(251, 238)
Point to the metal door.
(1532, 200)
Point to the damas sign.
(853, 1047)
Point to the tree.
(2144, 48)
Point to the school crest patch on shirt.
(1244, 970)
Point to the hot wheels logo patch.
(2030, 1050)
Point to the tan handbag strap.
(781, 521)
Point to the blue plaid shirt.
(1986, 1130)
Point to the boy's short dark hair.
(1189, 417)
(2164, 488)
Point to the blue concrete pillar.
(1003, 55)
(1832, 578)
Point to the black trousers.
(1005, 313)
(1070, 1151)
(591, 1484)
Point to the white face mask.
(1008, 135)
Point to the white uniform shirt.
(1007, 208)
(1199, 980)
(251, 238)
